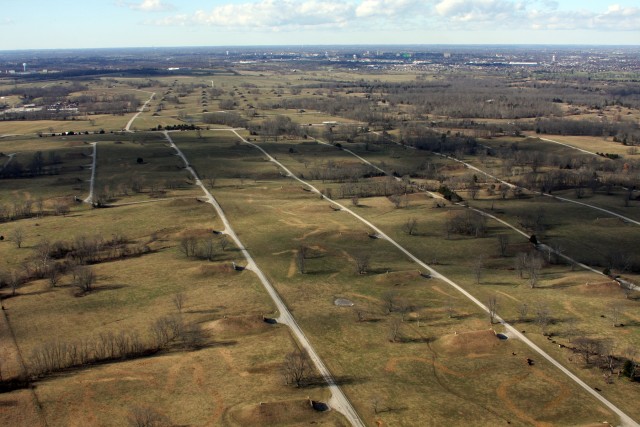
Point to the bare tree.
(296, 368)
(503, 244)
(410, 226)
(543, 317)
(179, 300)
(224, 243)
(211, 182)
(627, 288)
(362, 262)
(188, 245)
(492, 305)
(533, 265)
(84, 278)
(14, 281)
(520, 263)
(523, 311)
(450, 308)
(587, 348)
(147, 417)
(53, 274)
(394, 330)
(478, 266)
(17, 236)
(301, 257)
(616, 311)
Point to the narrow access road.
(541, 246)
(11, 156)
(626, 420)
(510, 185)
(566, 145)
(140, 110)
(338, 401)
(92, 181)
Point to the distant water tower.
(24, 67)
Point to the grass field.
(411, 350)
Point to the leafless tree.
(616, 311)
(296, 368)
(398, 200)
(543, 316)
(301, 258)
(179, 301)
(523, 311)
(362, 260)
(208, 249)
(53, 274)
(147, 417)
(478, 266)
(189, 245)
(503, 244)
(14, 281)
(533, 266)
(394, 330)
(492, 305)
(84, 278)
(410, 226)
(224, 243)
(17, 236)
(450, 308)
(587, 348)
(211, 182)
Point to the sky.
(64, 24)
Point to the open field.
(407, 349)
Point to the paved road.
(140, 110)
(566, 145)
(624, 418)
(92, 181)
(338, 401)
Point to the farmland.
(465, 245)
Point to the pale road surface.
(338, 401)
(510, 185)
(624, 418)
(140, 110)
(11, 156)
(566, 145)
(540, 246)
(92, 181)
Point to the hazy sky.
(35, 24)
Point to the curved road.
(140, 110)
(338, 401)
(624, 418)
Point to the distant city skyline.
(67, 24)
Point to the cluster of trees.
(373, 188)
(227, 119)
(52, 260)
(48, 95)
(626, 132)
(275, 127)
(466, 223)
(165, 332)
(339, 172)
(38, 165)
(29, 208)
(204, 248)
